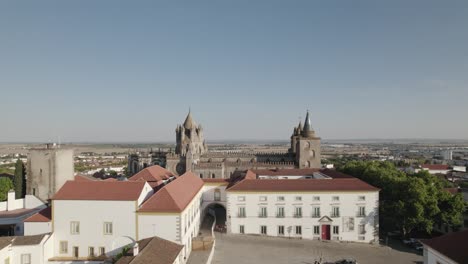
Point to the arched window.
(213, 176)
(217, 195)
(201, 175)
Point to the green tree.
(5, 186)
(19, 181)
(408, 202)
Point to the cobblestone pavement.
(237, 249)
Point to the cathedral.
(192, 154)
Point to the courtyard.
(235, 249)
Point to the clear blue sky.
(129, 71)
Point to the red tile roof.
(349, 184)
(296, 172)
(154, 173)
(84, 178)
(453, 190)
(435, 166)
(452, 245)
(215, 180)
(100, 190)
(45, 215)
(175, 196)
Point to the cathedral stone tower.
(189, 138)
(306, 145)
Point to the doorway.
(325, 232)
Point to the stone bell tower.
(307, 145)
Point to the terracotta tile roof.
(15, 213)
(296, 172)
(175, 196)
(154, 173)
(288, 172)
(154, 250)
(100, 190)
(28, 240)
(111, 179)
(84, 178)
(45, 215)
(5, 241)
(350, 184)
(215, 180)
(452, 190)
(452, 245)
(435, 166)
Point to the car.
(418, 246)
(409, 241)
(346, 261)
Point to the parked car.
(418, 246)
(409, 241)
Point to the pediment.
(325, 219)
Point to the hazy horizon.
(111, 71)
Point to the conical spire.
(299, 127)
(307, 131)
(189, 123)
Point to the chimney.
(11, 200)
(135, 249)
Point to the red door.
(326, 232)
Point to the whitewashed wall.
(92, 215)
(348, 203)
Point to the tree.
(408, 202)
(5, 186)
(19, 181)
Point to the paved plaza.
(235, 249)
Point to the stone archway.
(219, 210)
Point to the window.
(280, 198)
(298, 198)
(316, 212)
(335, 211)
(335, 198)
(74, 227)
(316, 230)
(263, 230)
(362, 229)
(217, 195)
(241, 198)
(298, 212)
(298, 230)
(102, 251)
(263, 212)
(241, 229)
(75, 252)
(213, 176)
(25, 258)
(63, 247)
(91, 251)
(108, 228)
(316, 198)
(362, 211)
(7, 260)
(336, 230)
(361, 198)
(280, 212)
(241, 212)
(263, 198)
(281, 230)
